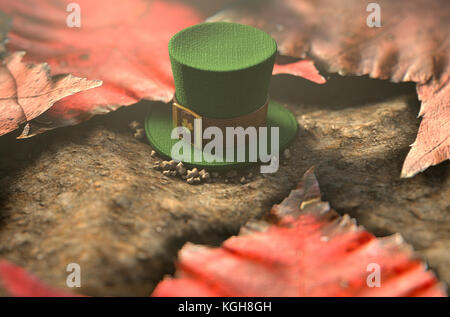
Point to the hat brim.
(158, 128)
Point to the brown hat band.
(182, 116)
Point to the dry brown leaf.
(413, 44)
(432, 144)
(28, 90)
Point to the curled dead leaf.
(29, 90)
(413, 44)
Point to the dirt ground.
(88, 194)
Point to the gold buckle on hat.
(182, 116)
(179, 119)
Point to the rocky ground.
(89, 194)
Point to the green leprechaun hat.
(222, 73)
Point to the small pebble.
(172, 164)
(134, 125)
(287, 154)
(139, 134)
(204, 175)
(192, 173)
(197, 180)
(166, 165)
(181, 170)
(166, 173)
(157, 166)
(190, 180)
(153, 153)
(243, 180)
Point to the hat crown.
(221, 69)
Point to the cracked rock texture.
(88, 194)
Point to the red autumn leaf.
(413, 44)
(122, 43)
(20, 283)
(28, 90)
(308, 250)
(302, 68)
